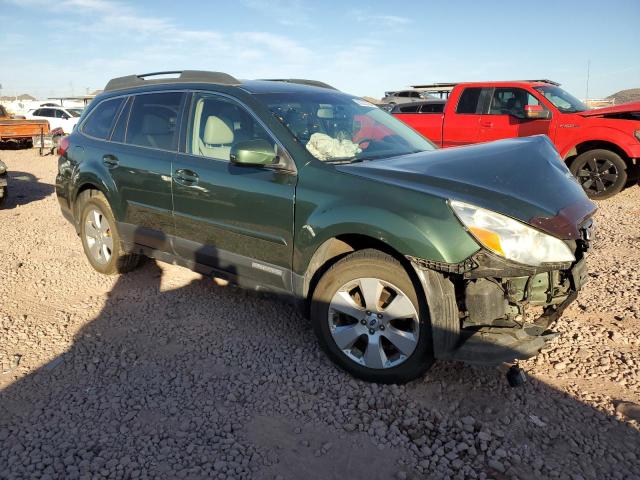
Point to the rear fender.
(92, 180)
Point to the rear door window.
(153, 120)
(469, 102)
(101, 119)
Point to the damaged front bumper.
(505, 309)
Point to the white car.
(58, 117)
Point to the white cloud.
(388, 21)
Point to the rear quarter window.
(100, 121)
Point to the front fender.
(429, 238)
(622, 140)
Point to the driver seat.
(217, 139)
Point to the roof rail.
(184, 76)
(301, 81)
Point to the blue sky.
(363, 47)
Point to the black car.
(426, 106)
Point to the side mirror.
(536, 112)
(253, 152)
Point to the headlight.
(637, 134)
(3, 168)
(511, 239)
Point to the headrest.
(325, 112)
(217, 131)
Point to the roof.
(215, 78)
(450, 85)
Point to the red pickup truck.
(601, 147)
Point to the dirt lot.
(162, 373)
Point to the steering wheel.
(365, 140)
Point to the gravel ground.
(164, 374)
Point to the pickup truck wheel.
(602, 173)
(368, 318)
(100, 238)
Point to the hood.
(630, 107)
(523, 178)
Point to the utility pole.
(586, 100)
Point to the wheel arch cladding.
(443, 310)
(89, 181)
(334, 248)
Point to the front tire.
(368, 318)
(100, 237)
(602, 173)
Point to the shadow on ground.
(205, 379)
(23, 188)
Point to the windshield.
(335, 127)
(75, 112)
(564, 101)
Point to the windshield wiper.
(341, 160)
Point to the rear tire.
(100, 238)
(386, 339)
(602, 173)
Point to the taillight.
(63, 146)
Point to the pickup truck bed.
(20, 129)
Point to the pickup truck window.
(432, 108)
(412, 108)
(469, 101)
(511, 101)
(564, 101)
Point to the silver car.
(404, 96)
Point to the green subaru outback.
(399, 253)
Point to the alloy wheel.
(597, 175)
(374, 323)
(97, 232)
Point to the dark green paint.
(253, 152)
(266, 224)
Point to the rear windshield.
(335, 127)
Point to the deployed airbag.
(324, 147)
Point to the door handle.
(110, 160)
(486, 123)
(186, 177)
